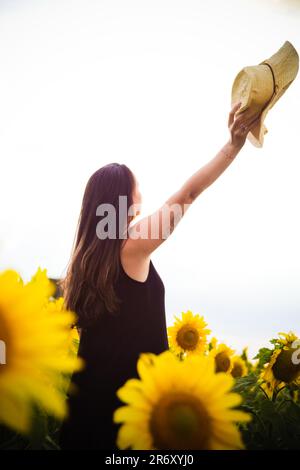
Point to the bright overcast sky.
(148, 83)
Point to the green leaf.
(263, 356)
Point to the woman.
(114, 288)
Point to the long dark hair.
(88, 286)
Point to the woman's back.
(110, 349)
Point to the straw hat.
(259, 87)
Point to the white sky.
(148, 83)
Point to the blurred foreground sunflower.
(178, 405)
(35, 334)
(56, 306)
(188, 334)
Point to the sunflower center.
(237, 371)
(222, 362)
(180, 421)
(284, 369)
(187, 338)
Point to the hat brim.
(257, 133)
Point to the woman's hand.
(240, 125)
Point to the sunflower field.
(200, 394)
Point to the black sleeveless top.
(110, 349)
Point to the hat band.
(275, 86)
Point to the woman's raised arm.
(151, 231)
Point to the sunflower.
(178, 405)
(188, 334)
(281, 370)
(269, 383)
(222, 356)
(239, 367)
(35, 341)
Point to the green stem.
(264, 392)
